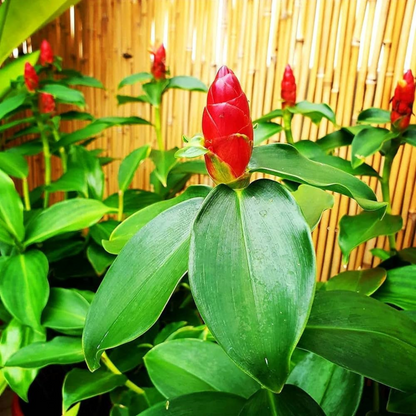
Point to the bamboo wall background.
(346, 53)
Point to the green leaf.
(73, 411)
(358, 333)
(139, 283)
(265, 130)
(65, 311)
(130, 164)
(81, 385)
(313, 202)
(11, 104)
(155, 90)
(207, 403)
(14, 337)
(400, 402)
(256, 244)
(285, 161)
(14, 123)
(269, 116)
(69, 215)
(125, 231)
(292, 401)
(399, 289)
(14, 164)
(357, 229)
(132, 79)
(76, 115)
(164, 162)
(60, 350)
(193, 148)
(345, 165)
(125, 99)
(167, 331)
(365, 281)
(64, 94)
(380, 253)
(316, 112)
(102, 230)
(24, 286)
(410, 135)
(367, 142)
(374, 116)
(134, 200)
(31, 148)
(100, 260)
(188, 83)
(180, 367)
(335, 139)
(91, 130)
(196, 167)
(336, 390)
(72, 180)
(123, 121)
(84, 81)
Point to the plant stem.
(120, 205)
(287, 126)
(26, 194)
(158, 128)
(385, 189)
(129, 384)
(62, 151)
(376, 397)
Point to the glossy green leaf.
(264, 270)
(130, 164)
(168, 330)
(367, 142)
(24, 286)
(14, 164)
(69, 215)
(374, 116)
(184, 82)
(155, 90)
(336, 139)
(380, 253)
(365, 281)
(14, 337)
(313, 202)
(357, 229)
(292, 401)
(402, 258)
(164, 162)
(10, 104)
(73, 411)
(31, 148)
(125, 99)
(285, 161)
(316, 112)
(194, 147)
(102, 230)
(82, 384)
(123, 121)
(409, 135)
(134, 200)
(135, 222)
(196, 167)
(76, 115)
(336, 390)
(132, 79)
(265, 130)
(269, 116)
(139, 283)
(345, 165)
(83, 80)
(180, 367)
(208, 403)
(100, 260)
(91, 130)
(64, 94)
(14, 123)
(60, 350)
(72, 180)
(400, 402)
(399, 289)
(358, 333)
(5, 236)
(65, 311)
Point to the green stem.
(385, 190)
(287, 126)
(158, 128)
(26, 194)
(62, 152)
(120, 205)
(129, 384)
(376, 397)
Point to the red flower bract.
(227, 128)
(46, 53)
(159, 63)
(31, 77)
(402, 102)
(46, 103)
(288, 85)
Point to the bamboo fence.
(347, 53)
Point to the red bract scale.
(46, 103)
(46, 53)
(288, 85)
(227, 128)
(402, 102)
(159, 60)
(31, 77)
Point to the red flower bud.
(159, 66)
(402, 102)
(46, 103)
(46, 53)
(31, 77)
(227, 128)
(288, 88)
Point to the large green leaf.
(130, 164)
(374, 116)
(24, 286)
(134, 200)
(285, 161)
(357, 229)
(207, 403)
(292, 401)
(252, 274)
(91, 130)
(72, 180)
(363, 335)
(14, 337)
(345, 165)
(132, 79)
(265, 130)
(269, 116)
(64, 94)
(139, 283)
(82, 384)
(135, 222)
(180, 367)
(100, 260)
(12, 103)
(400, 402)
(61, 350)
(164, 162)
(399, 289)
(70, 215)
(316, 112)
(14, 164)
(155, 90)
(184, 82)
(335, 139)
(336, 390)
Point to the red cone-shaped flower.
(159, 60)
(288, 92)
(31, 77)
(46, 103)
(46, 53)
(227, 128)
(402, 102)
